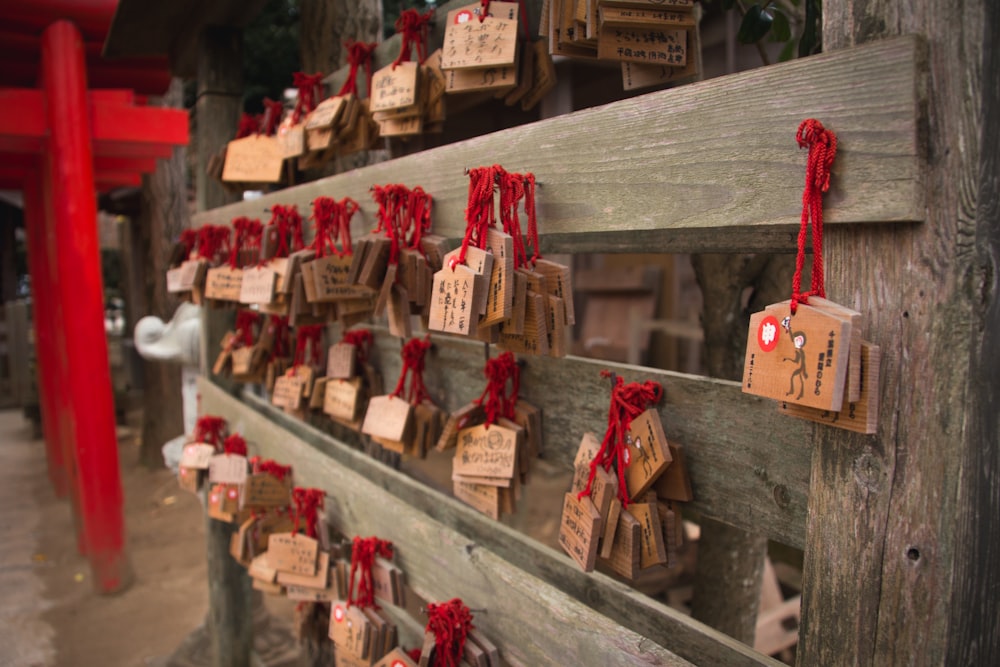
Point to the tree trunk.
(163, 214)
(730, 560)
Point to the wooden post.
(163, 214)
(902, 541)
(220, 100)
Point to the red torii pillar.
(76, 302)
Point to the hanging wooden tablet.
(801, 360)
(474, 41)
(499, 292)
(860, 416)
(579, 530)
(647, 453)
(675, 483)
(625, 554)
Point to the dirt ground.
(50, 614)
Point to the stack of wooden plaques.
(600, 529)
(814, 363)
(656, 41)
(350, 379)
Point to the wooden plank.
(748, 468)
(461, 553)
(902, 537)
(667, 170)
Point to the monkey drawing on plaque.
(647, 467)
(799, 340)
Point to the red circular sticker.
(627, 456)
(767, 333)
(338, 613)
(398, 663)
(463, 16)
(214, 498)
(232, 493)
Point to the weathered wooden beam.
(670, 170)
(539, 604)
(902, 535)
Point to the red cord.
(270, 467)
(364, 550)
(271, 117)
(362, 340)
(498, 401)
(822, 145)
(310, 93)
(414, 27)
(308, 502)
(235, 444)
(451, 623)
(210, 430)
(627, 402)
(359, 54)
(413, 354)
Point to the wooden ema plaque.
(610, 528)
(481, 263)
(637, 75)
(388, 418)
(224, 283)
(534, 337)
(396, 658)
(482, 497)
(557, 283)
(860, 416)
(650, 46)
(340, 360)
(395, 87)
(330, 279)
(585, 453)
(624, 555)
(486, 452)
(500, 292)
(805, 363)
(473, 43)
(617, 17)
(652, 550)
(499, 78)
(350, 629)
(292, 552)
(264, 490)
(854, 356)
(675, 483)
(257, 285)
(261, 569)
(316, 580)
(647, 454)
(227, 469)
(185, 277)
(452, 301)
(253, 159)
(288, 390)
(579, 530)
(197, 455)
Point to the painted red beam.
(90, 413)
(114, 122)
(92, 17)
(148, 80)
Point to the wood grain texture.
(669, 169)
(539, 602)
(898, 540)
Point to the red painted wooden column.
(80, 295)
(50, 372)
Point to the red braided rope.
(822, 145)
(451, 623)
(235, 444)
(413, 354)
(359, 54)
(308, 502)
(627, 402)
(364, 550)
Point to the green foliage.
(270, 53)
(771, 20)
